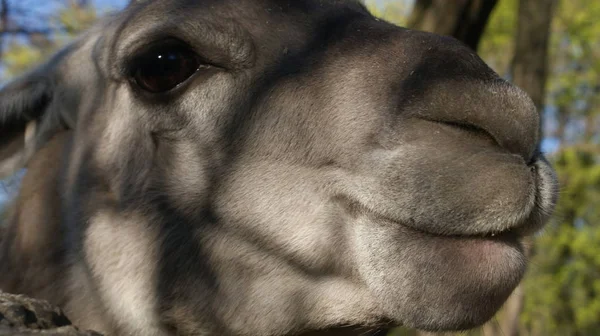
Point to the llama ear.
(31, 111)
(23, 103)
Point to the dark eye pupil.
(161, 70)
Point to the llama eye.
(163, 68)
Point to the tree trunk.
(462, 19)
(529, 70)
(529, 67)
(489, 329)
(3, 25)
(513, 307)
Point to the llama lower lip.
(480, 248)
(489, 250)
(478, 272)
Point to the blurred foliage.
(497, 44)
(76, 18)
(19, 57)
(25, 51)
(563, 285)
(396, 12)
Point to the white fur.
(121, 253)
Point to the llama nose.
(512, 119)
(442, 80)
(449, 83)
(496, 107)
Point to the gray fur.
(328, 170)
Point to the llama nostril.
(493, 109)
(475, 130)
(534, 157)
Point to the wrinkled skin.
(322, 169)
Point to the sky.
(106, 4)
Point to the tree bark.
(462, 19)
(529, 68)
(509, 324)
(529, 71)
(490, 329)
(3, 24)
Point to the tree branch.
(25, 31)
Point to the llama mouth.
(512, 234)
